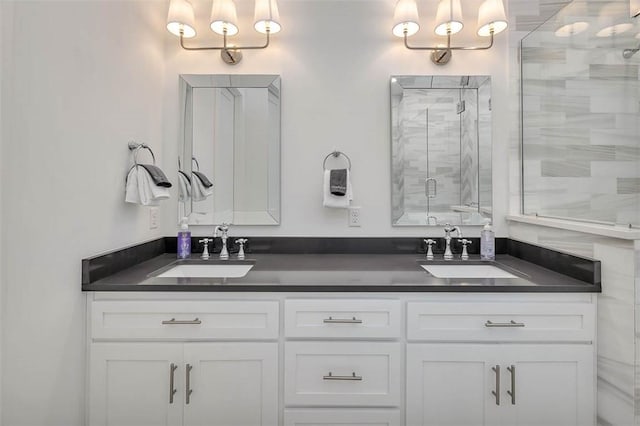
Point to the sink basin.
(467, 271)
(207, 271)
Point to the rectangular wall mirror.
(229, 155)
(440, 150)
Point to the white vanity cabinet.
(383, 359)
(500, 364)
(169, 363)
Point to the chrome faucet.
(448, 229)
(224, 230)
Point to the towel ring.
(135, 147)
(336, 154)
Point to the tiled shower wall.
(431, 139)
(581, 120)
(438, 142)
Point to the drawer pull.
(332, 320)
(172, 389)
(352, 377)
(511, 323)
(174, 321)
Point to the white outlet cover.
(153, 218)
(354, 216)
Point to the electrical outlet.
(354, 216)
(153, 218)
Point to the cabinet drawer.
(351, 318)
(178, 320)
(342, 417)
(500, 321)
(342, 374)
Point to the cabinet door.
(553, 384)
(452, 384)
(130, 384)
(231, 384)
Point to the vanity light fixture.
(491, 21)
(180, 22)
(634, 8)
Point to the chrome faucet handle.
(429, 242)
(205, 251)
(241, 242)
(464, 242)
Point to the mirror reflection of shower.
(441, 150)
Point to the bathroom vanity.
(341, 339)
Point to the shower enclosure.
(581, 115)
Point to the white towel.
(335, 201)
(140, 188)
(199, 192)
(184, 187)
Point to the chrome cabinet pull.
(512, 392)
(332, 320)
(188, 391)
(511, 323)
(496, 392)
(181, 322)
(172, 389)
(352, 377)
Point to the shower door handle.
(427, 188)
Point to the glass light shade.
(448, 17)
(267, 16)
(224, 17)
(181, 18)
(614, 29)
(572, 29)
(634, 8)
(405, 17)
(491, 17)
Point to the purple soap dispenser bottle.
(184, 240)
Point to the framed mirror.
(229, 155)
(440, 150)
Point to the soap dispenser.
(184, 239)
(487, 242)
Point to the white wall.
(335, 58)
(84, 78)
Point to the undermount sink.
(198, 270)
(467, 271)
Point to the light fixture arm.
(442, 55)
(448, 47)
(230, 54)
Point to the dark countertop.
(342, 273)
